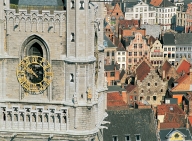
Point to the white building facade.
(121, 57)
(166, 17)
(141, 11)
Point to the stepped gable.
(184, 66)
(116, 10)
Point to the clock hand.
(29, 70)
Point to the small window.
(148, 97)
(140, 45)
(115, 138)
(72, 4)
(107, 53)
(123, 53)
(130, 53)
(127, 138)
(71, 77)
(154, 98)
(81, 4)
(161, 90)
(113, 54)
(148, 84)
(119, 53)
(112, 73)
(72, 37)
(135, 46)
(155, 84)
(165, 49)
(137, 137)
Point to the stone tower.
(52, 84)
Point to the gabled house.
(116, 15)
(136, 50)
(112, 74)
(175, 134)
(156, 53)
(110, 50)
(168, 71)
(151, 86)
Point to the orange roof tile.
(166, 108)
(184, 66)
(184, 83)
(156, 2)
(169, 125)
(114, 99)
(127, 23)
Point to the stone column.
(2, 20)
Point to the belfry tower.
(52, 84)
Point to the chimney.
(185, 109)
(163, 74)
(158, 125)
(187, 124)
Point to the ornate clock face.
(34, 73)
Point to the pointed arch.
(38, 44)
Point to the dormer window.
(138, 138)
(81, 4)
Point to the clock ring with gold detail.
(34, 73)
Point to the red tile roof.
(169, 125)
(156, 2)
(174, 116)
(151, 40)
(166, 66)
(128, 23)
(114, 99)
(166, 108)
(130, 87)
(184, 66)
(142, 71)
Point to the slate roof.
(111, 67)
(183, 38)
(37, 2)
(172, 100)
(122, 74)
(168, 39)
(115, 88)
(166, 3)
(109, 42)
(142, 71)
(152, 30)
(130, 122)
(164, 132)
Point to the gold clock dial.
(34, 73)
